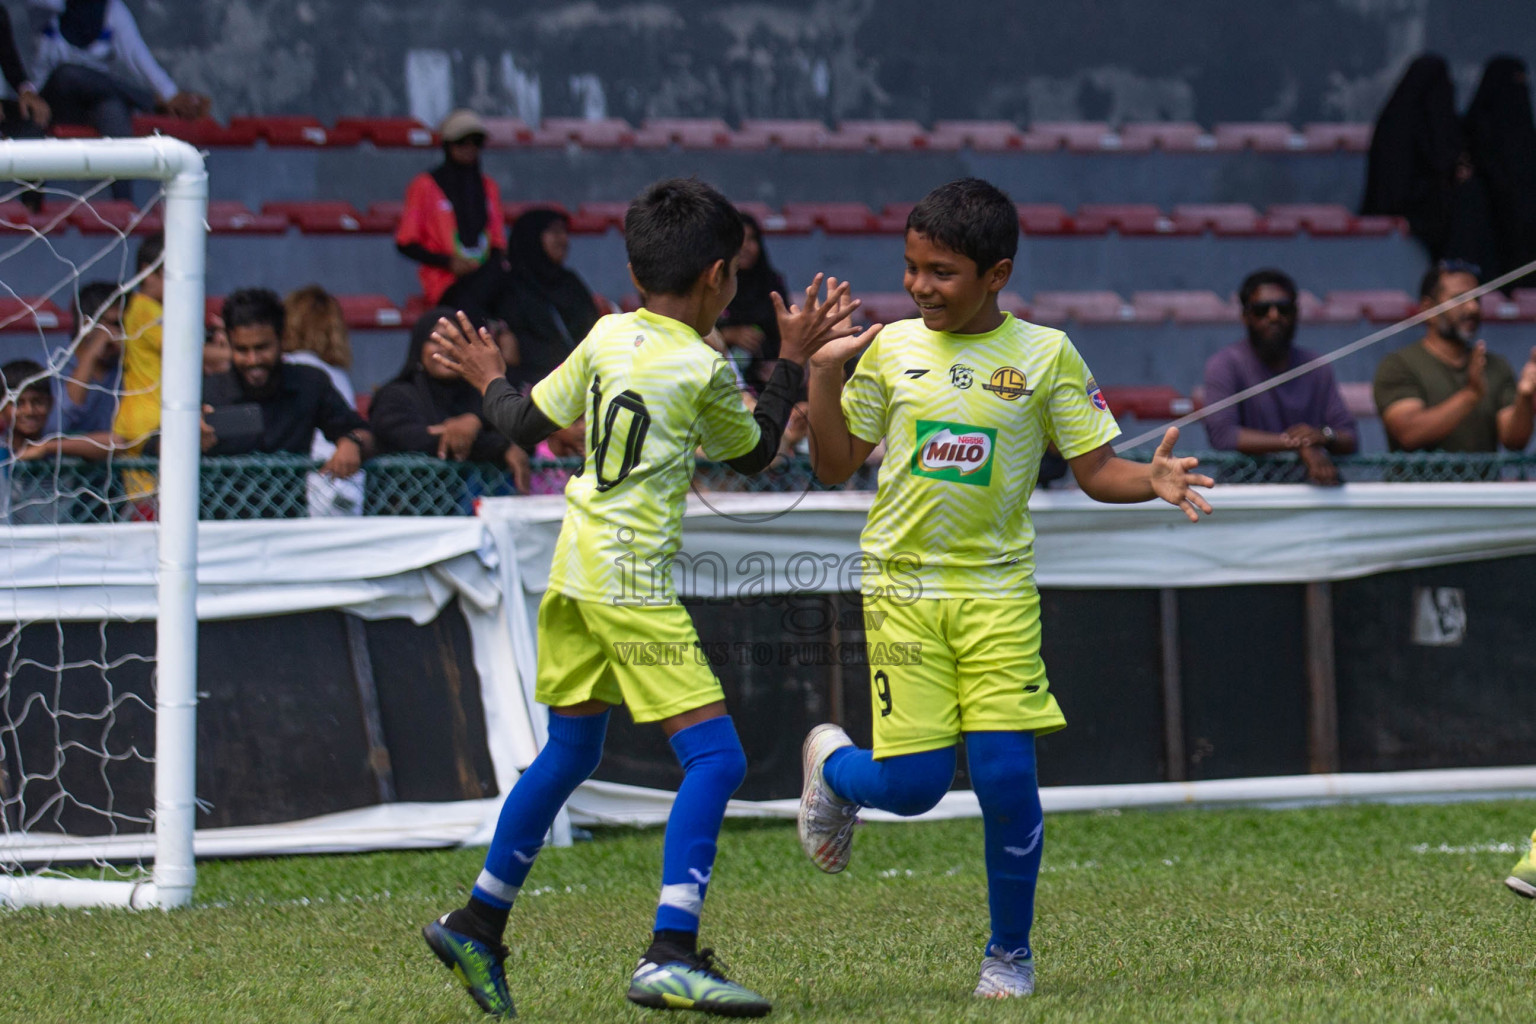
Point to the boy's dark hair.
(150, 251)
(94, 298)
(675, 231)
(972, 217)
(254, 307)
(1430, 282)
(13, 373)
(1258, 278)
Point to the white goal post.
(179, 170)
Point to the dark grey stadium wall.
(1117, 60)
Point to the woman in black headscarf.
(428, 409)
(1502, 139)
(748, 323)
(1419, 168)
(548, 308)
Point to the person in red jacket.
(453, 224)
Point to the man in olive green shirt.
(1447, 392)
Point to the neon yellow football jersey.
(652, 392)
(965, 420)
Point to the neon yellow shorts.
(971, 665)
(647, 658)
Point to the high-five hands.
(805, 329)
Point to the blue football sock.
(1002, 766)
(574, 749)
(713, 767)
(906, 784)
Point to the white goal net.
(102, 250)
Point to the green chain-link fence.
(275, 486)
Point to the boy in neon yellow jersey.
(652, 393)
(966, 399)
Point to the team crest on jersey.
(1009, 384)
(639, 340)
(962, 377)
(1096, 396)
(957, 452)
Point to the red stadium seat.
(16, 217)
(685, 132)
(892, 220)
(1044, 219)
(1259, 136)
(230, 217)
(1084, 307)
(1496, 306)
(1169, 136)
(981, 136)
(1013, 302)
(320, 216)
(1183, 307)
(202, 132)
(291, 130)
(1148, 402)
(760, 134)
(1359, 398)
(1075, 136)
(506, 131)
(515, 210)
(30, 314)
(774, 222)
(1377, 305)
(392, 132)
(1219, 218)
(413, 309)
(1328, 137)
(1125, 218)
(73, 131)
(606, 133)
(1313, 310)
(1314, 218)
(885, 136)
(364, 311)
(383, 217)
(1525, 298)
(113, 216)
(597, 218)
(834, 218)
(886, 307)
(213, 307)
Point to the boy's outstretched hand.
(1173, 481)
(804, 329)
(472, 354)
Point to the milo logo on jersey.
(956, 452)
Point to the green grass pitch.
(1368, 913)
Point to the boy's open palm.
(1174, 481)
(804, 329)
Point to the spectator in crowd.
(30, 394)
(453, 224)
(748, 324)
(287, 403)
(96, 70)
(548, 307)
(26, 115)
(1306, 415)
(138, 409)
(1501, 137)
(87, 402)
(215, 347)
(316, 335)
(1446, 392)
(428, 408)
(1419, 166)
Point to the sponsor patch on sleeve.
(1096, 396)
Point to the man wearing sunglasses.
(1446, 392)
(1306, 415)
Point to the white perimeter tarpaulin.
(497, 565)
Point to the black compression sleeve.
(515, 415)
(773, 408)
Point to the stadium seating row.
(365, 312)
(334, 216)
(705, 133)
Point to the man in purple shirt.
(1306, 415)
